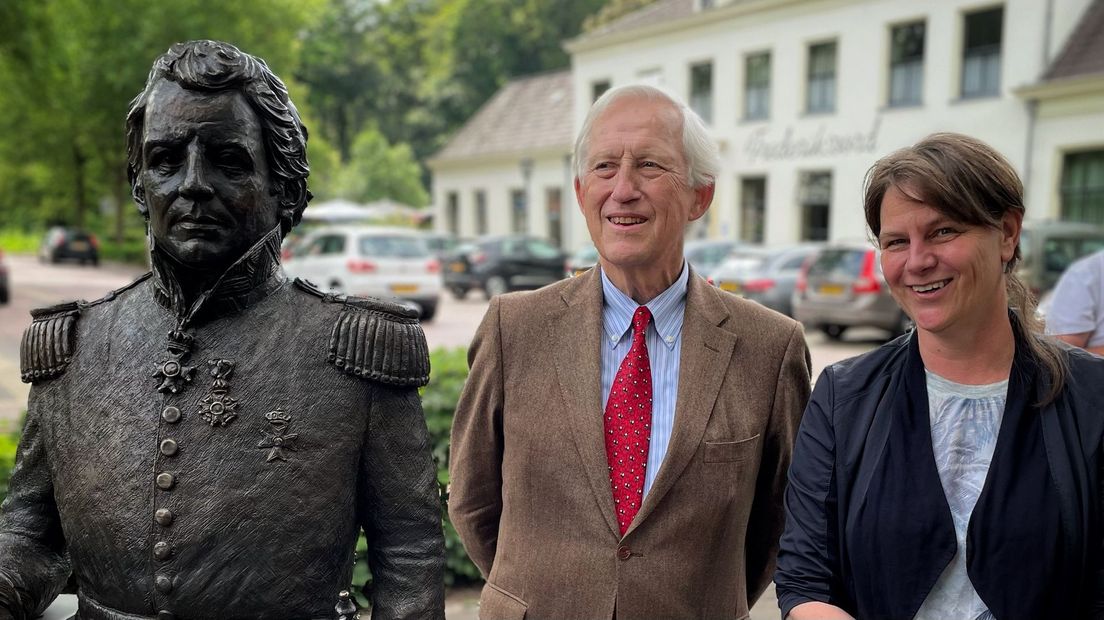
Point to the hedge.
(449, 371)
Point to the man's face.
(205, 175)
(635, 191)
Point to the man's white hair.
(703, 159)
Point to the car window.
(794, 262)
(324, 245)
(541, 249)
(513, 248)
(838, 263)
(392, 246)
(1059, 253)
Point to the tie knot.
(640, 319)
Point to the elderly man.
(1076, 312)
(621, 445)
(208, 441)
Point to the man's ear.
(578, 193)
(138, 193)
(703, 197)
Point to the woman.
(974, 432)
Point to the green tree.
(378, 170)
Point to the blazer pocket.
(730, 451)
(498, 604)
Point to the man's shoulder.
(50, 341)
(370, 338)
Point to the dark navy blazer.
(843, 436)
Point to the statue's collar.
(255, 275)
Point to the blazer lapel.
(575, 336)
(706, 352)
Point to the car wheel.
(834, 332)
(459, 292)
(428, 312)
(904, 324)
(335, 287)
(95, 261)
(4, 295)
(495, 285)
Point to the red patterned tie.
(628, 422)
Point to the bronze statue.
(208, 441)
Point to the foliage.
(16, 241)
(8, 443)
(378, 170)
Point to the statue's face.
(205, 175)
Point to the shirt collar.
(668, 309)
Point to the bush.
(8, 443)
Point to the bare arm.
(818, 611)
(475, 460)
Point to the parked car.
(705, 255)
(370, 261)
(1050, 247)
(764, 275)
(503, 263)
(583, 259)
(5, 292)
(61, 243)
(842, 286)
(442, 244)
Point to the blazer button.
(162, 551)
(170, 414)
(624, 553)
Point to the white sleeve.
(1076, 305)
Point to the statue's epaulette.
(49, 342)
(376, 339)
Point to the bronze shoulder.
(375, 339)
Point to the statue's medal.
(218, 408)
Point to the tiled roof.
(657, 13)
(527, 114)
(1083, 53)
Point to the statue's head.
(216, 153)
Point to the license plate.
(457, 267)
(831, 289)
(731, 287)
(78, 246)
(404, 288)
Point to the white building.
(803, 95)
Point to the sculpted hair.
(215, 66)
(703, 160)
(970, 182)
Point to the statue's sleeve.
(400, 510)
(33, 562)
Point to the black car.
(4, 294)
(62, 243)
(500, 264)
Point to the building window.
(480, 212)
(981, 53)
(816, 204)
(651, 77)
(701, 90)
(452, 213)
(757, 86)
(753, 209)
(598, 88)
(554, 208)
(1083, 187)
(519, 212)
(821, 95)
(906, 65)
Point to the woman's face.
(948, 276)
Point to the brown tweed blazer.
(530, 493)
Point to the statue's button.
(163, 583)
(162, 550)
(165, 481)
(163, 516)
(169, 447)
(170, 414)
(166, 615)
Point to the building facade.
(803, 95)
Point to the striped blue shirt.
(664, 340)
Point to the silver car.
(842, 287)
(764, 275)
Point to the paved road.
(35, 285)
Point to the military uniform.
(217, 461)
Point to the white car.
(370, 261)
